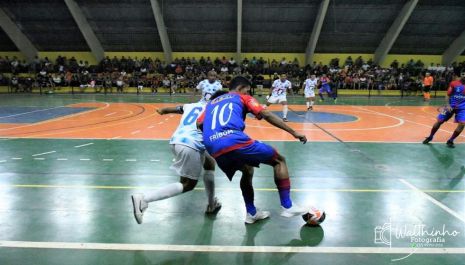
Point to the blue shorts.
(325, 88)
(446, 115)
(252, 155)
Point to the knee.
(188, 184)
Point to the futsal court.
(68, 165)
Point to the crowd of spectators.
(184, 73)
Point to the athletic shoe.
(450, 144)
(214, 208)
(139, 205)
(310, 108)
(285, 120)
(259, 215)
(427, 140)
(335, 100)
(293, 211)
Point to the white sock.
(165, 192)
(312, 102)
(285, 111)
(308, 104)
(209, 182)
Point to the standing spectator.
(427, 85)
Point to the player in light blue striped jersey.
(190, 160)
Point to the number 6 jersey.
(223, 122)
(187, 133)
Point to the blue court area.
(316, 117)
(35, 114)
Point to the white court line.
(84, 159)
(51, 152)
(2, 161)
(39, 158)
(109, 114)
(135, 132)
(16, 158)
(167, 119)
(155, 160)
(226, 249)
(107, 159)
(151, 126)
(131, 160)
(160, 122)
(19, 114)
(433, 200)
(62, 159)
(82, 145)
(116, 137)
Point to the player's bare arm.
(277, 122)
(170, 110)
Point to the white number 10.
(221, 117)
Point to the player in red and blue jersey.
(223, 124)
(325, 86)
(455, 100)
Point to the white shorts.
(188, 162)
(309, 93)
(277, 99)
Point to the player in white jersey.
(309, 86)
(278, 93)
(190, 158)
(209, 86)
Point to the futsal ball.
(314, 217)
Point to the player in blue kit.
(223, 124)
(325, 86)
(455, 100)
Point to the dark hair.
(239, 81)
(218, 94)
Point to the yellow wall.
(324, 58)
(404, 58)
(19, 55)
(84, 56)
(133, 55)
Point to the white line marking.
(155, 160)
(107, 159)
(51, 152)
(171, 116)
(136, 132)
(109, 114)
(19, 114)
(2, 161)
(167, 119)
(39, 158)
(116, 137)
(151, 126)
(62, 159)
(433, 200)
(84, 159)
(131, 160)
(16, 158)
(160, 122)
(82, 145)
(225, 249)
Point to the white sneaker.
(139, 205)
(214, 208)
(259, 215)
(293, 211)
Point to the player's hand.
(159, 111)
(302, 138)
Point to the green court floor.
(80, 195)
